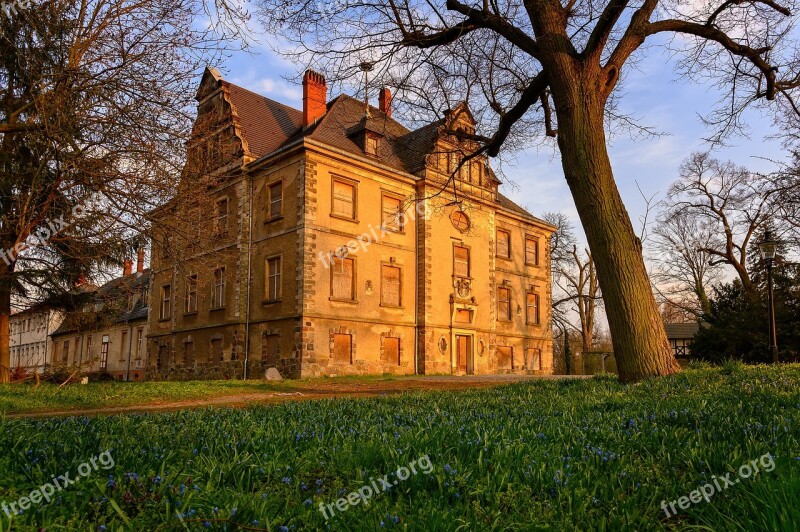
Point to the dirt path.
(319, 390)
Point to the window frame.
(221, 285)
(507, 256)
(535, 239)
(509, 314)
(353, 291)
(537, 305)
(271, 216)
(268, 277)
(348, 182)
(399, 287)
(220, 218)
(401, 227)
(165, 302)
(191, 290)
(469, 260)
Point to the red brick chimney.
(140, 261)
(128, 267)
(385, 101)
(315, 97)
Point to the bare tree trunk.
(640, 342)
(5, 337)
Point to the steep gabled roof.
(265, 124)
(681, 330)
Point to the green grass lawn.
(541, 455)
(26, 398)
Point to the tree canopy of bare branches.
(95, 109)
(548, 68)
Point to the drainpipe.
(416, 285)
(249, 273)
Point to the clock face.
(459, 220)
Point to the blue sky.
(652, 91)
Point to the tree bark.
(5, 337)
(640, 343)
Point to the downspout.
(416, 289)
(249, 281)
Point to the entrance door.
(464, 361)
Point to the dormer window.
(371, 143)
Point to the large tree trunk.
(640, 344)
(5, 314)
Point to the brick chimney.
(385, 101)
(140, 261)
(128, 267)
(315, 97)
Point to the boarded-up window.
(163, 357)
(533, 358)
(342, 279)
(272, 350)
(505, 357)
(191, 294)
(390, 286)
(391, 350)
(463, 315)
(273, 278)
(531, 251)
(275, 199)
(460, 261)
(344, 199)
(188, 353)
(342, 349)
(391, 213)
(503, 244)
(65, 352)
(532, 306)
(216, 351)
(503, 303)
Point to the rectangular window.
(505, 357)
(532, 308)
(343, 279)
(123, 346)
(342, 349)
(89, 347)
(461, 261)
(188, 354)
(139, 340)
(371, 145)
(344, 199)
(503, 303)
(503, 244)
(166, 302)
(390, 207)
(221, 218)
(533, 358)
(531, 251)
(191, 294)
(65, 352)
(391, 350)
(273, 279)
(390, 286)
(218, 293)
(104, 354)
(275, 200)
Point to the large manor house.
(330, 240)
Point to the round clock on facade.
(460, 220)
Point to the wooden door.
(461, 353)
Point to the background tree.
(95, 108)
(684, 268)
(551, 67)
(724, 206)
